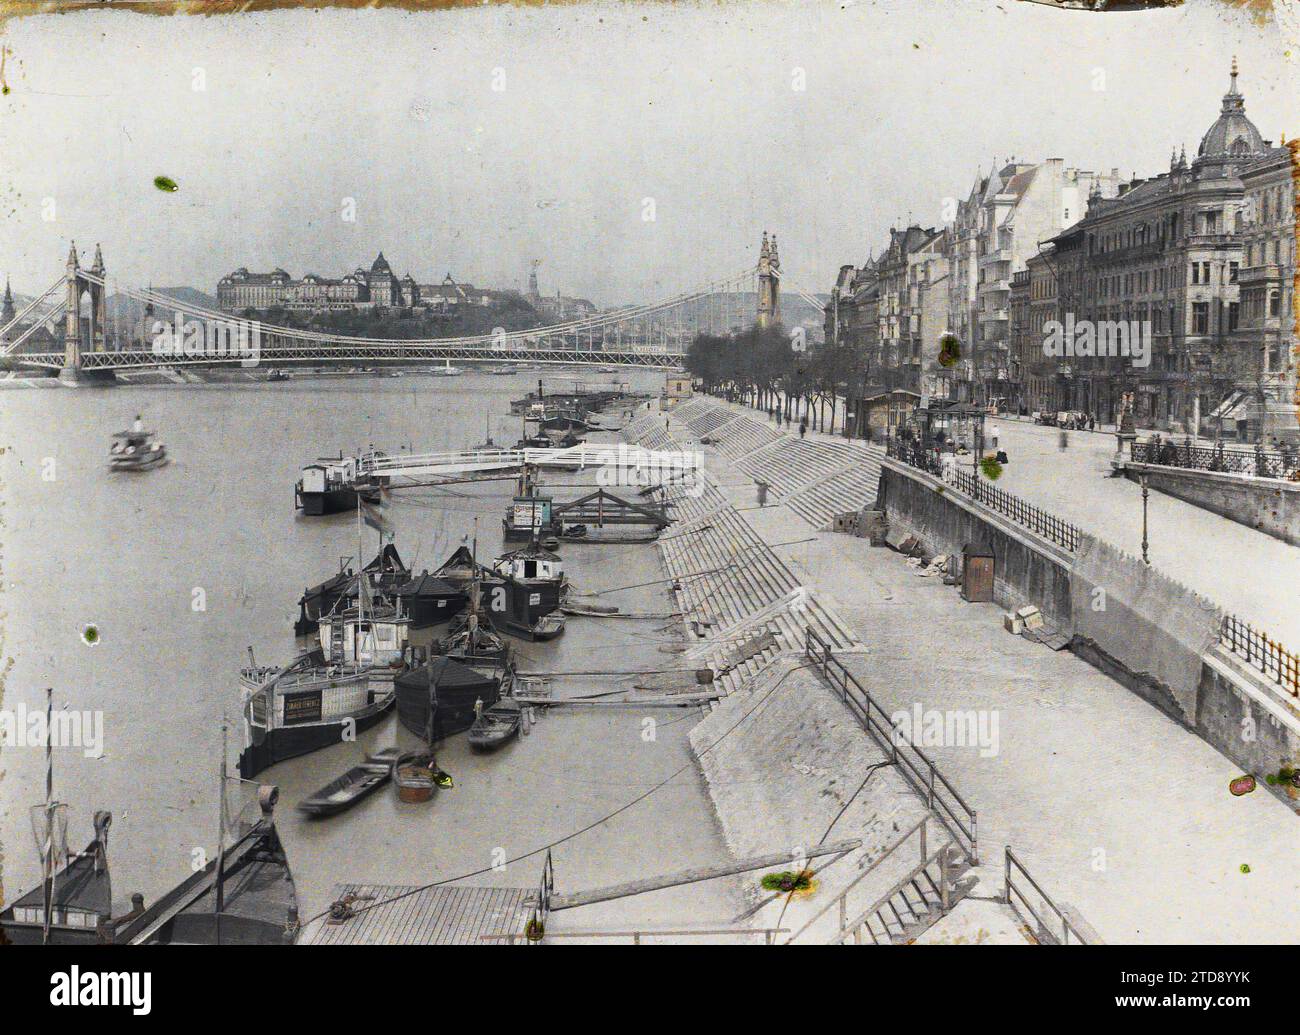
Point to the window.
(1233, 315)
(1274, 303)
(1200, 318)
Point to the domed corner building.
(1167, 251)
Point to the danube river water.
(182, 569)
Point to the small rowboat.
(352, 786)
(416, 776)
(496, 725)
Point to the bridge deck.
(410, 465)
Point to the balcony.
(1264, 274)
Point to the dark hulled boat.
(357, 783)
(329, 486)
(343, 686)
(430, 600)
(495, 725)
(452, 685)
(525, 599)
(80, 896)
(427, 599)
(245, 896)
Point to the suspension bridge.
(654, 335)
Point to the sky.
(635, 150)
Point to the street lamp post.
(1145, 494)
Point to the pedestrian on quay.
(803, 426)
(995, 431)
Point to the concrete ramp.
(782, 757)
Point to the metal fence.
(931, 784)
(1052, 922)
(1262, 653)
(1259, 462)
(1248, 643)
(535, 927)
(1049, 526)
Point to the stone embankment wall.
(1029, 570)
(1144, 630)
(1266, 504)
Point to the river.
(182, 569)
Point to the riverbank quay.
(219, 519)
(1079, 784)
(799, 764)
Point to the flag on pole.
(374, 517)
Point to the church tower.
(769, 283)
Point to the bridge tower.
(77, 285)
(72, 316)
(769, 283)
(99, 303)
(7, 313)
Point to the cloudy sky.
(475, 141)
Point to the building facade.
(1164, 256)
(375, 288)
(1265, 335)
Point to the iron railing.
(1261, 652)
(1023, 513)
(846, 929)
(911, 452)
(1259, 462)
(1052, 922)
(638, 934)
(1049, 526)
(535, 928)
(939, 794)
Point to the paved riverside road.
(1243, 571)
(1116, 809)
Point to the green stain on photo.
(90, 634)
(165, 183)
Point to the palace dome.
(1232, 133)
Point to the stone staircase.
(848, 489)
(914, 904)
(742, 605)
(815, 477)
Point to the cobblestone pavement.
(1240, 569)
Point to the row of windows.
(1268, 206)
(1270, 252)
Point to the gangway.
(381, 468)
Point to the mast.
(48, 853)
(361, 588)
(472, 624)
(220, 898)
